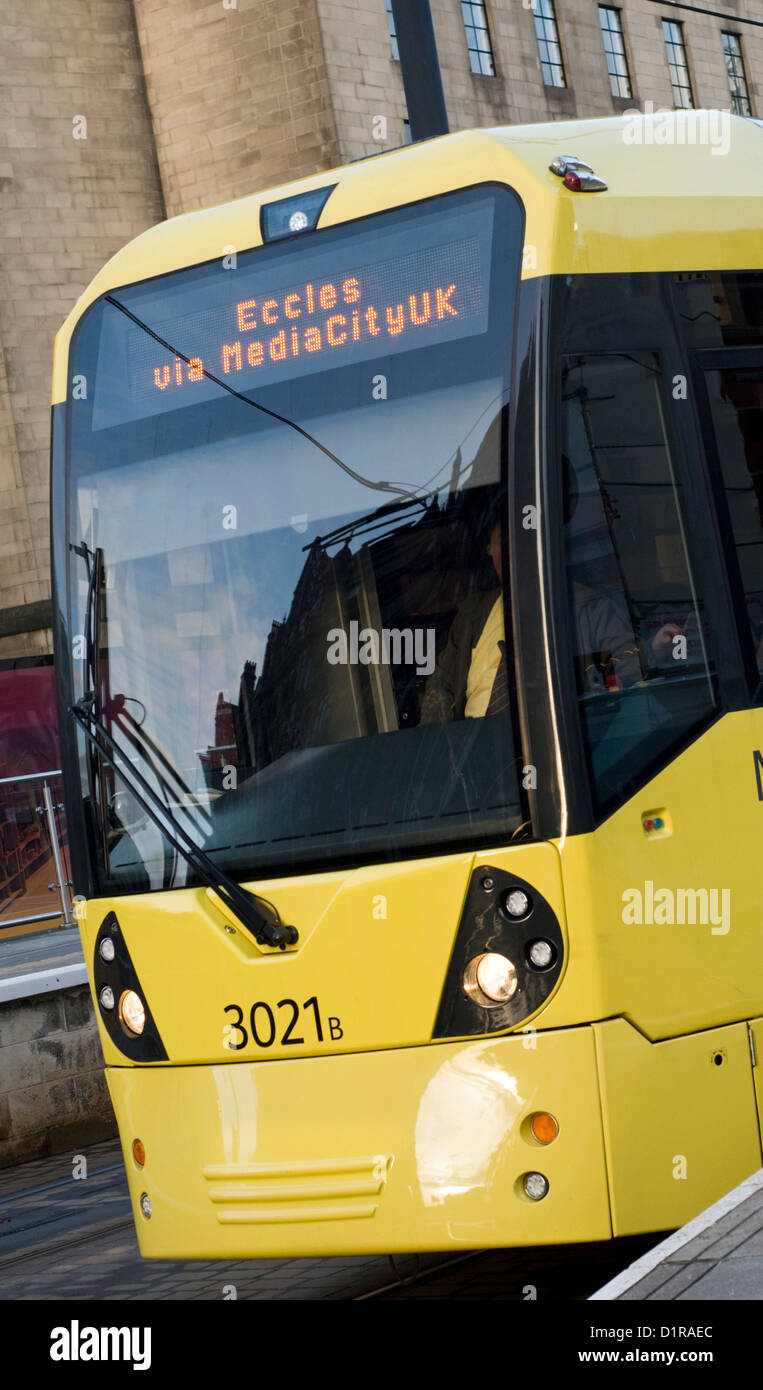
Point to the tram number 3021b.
(264, 1026)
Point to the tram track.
(403, 1282)
(65, 1242)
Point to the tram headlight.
(490, 979)
(132, 1012)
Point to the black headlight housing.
(488, 924)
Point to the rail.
(23, 847)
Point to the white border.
(640, 1268)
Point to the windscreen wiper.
(255, 914)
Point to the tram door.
(664, 895)
(667, 884)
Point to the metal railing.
(25, 848)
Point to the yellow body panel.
(652, 216)
(374, 948)
(680, 1122)
(672, 979)
(425, 1148)
(409, 1149)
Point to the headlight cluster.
(122, 1003)
(507, 956)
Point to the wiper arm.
(94, 564)
(169, 777)
(255, 914)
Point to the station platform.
(40, 963)
(717, 1257)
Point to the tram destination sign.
(258, 323)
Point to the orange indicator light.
(544, 1127)
(139, 1152)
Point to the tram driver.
(471, 677)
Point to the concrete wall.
(53, 1095)
(239, 96)
(66, 205)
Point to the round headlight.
(535, 1186)
(106, 997)
(145, 1205)
(107, 948)
(490, 979)
(132, 1012)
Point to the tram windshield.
(286, 479)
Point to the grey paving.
(717, 1257)
(62, 1237)
(74, 1237)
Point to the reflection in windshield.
(282, 618)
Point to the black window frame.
(611, 52)
(732, 59)
(673, 46)
(704, 360)
(588, 330)
(471, 29)
(393, 43)
(551, 36)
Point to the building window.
(740, 95)
(392, 34)
(678, 64)
(549, 47)
(478, 38)
(614, 47)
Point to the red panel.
(28, 721)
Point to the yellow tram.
(408, 574)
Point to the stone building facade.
(118, 113)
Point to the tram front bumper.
(418, 1148)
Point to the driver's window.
(641, 663)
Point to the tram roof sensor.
(290, 216)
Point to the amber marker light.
(139, 1152)
(131, 1012)
(544, 1127)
